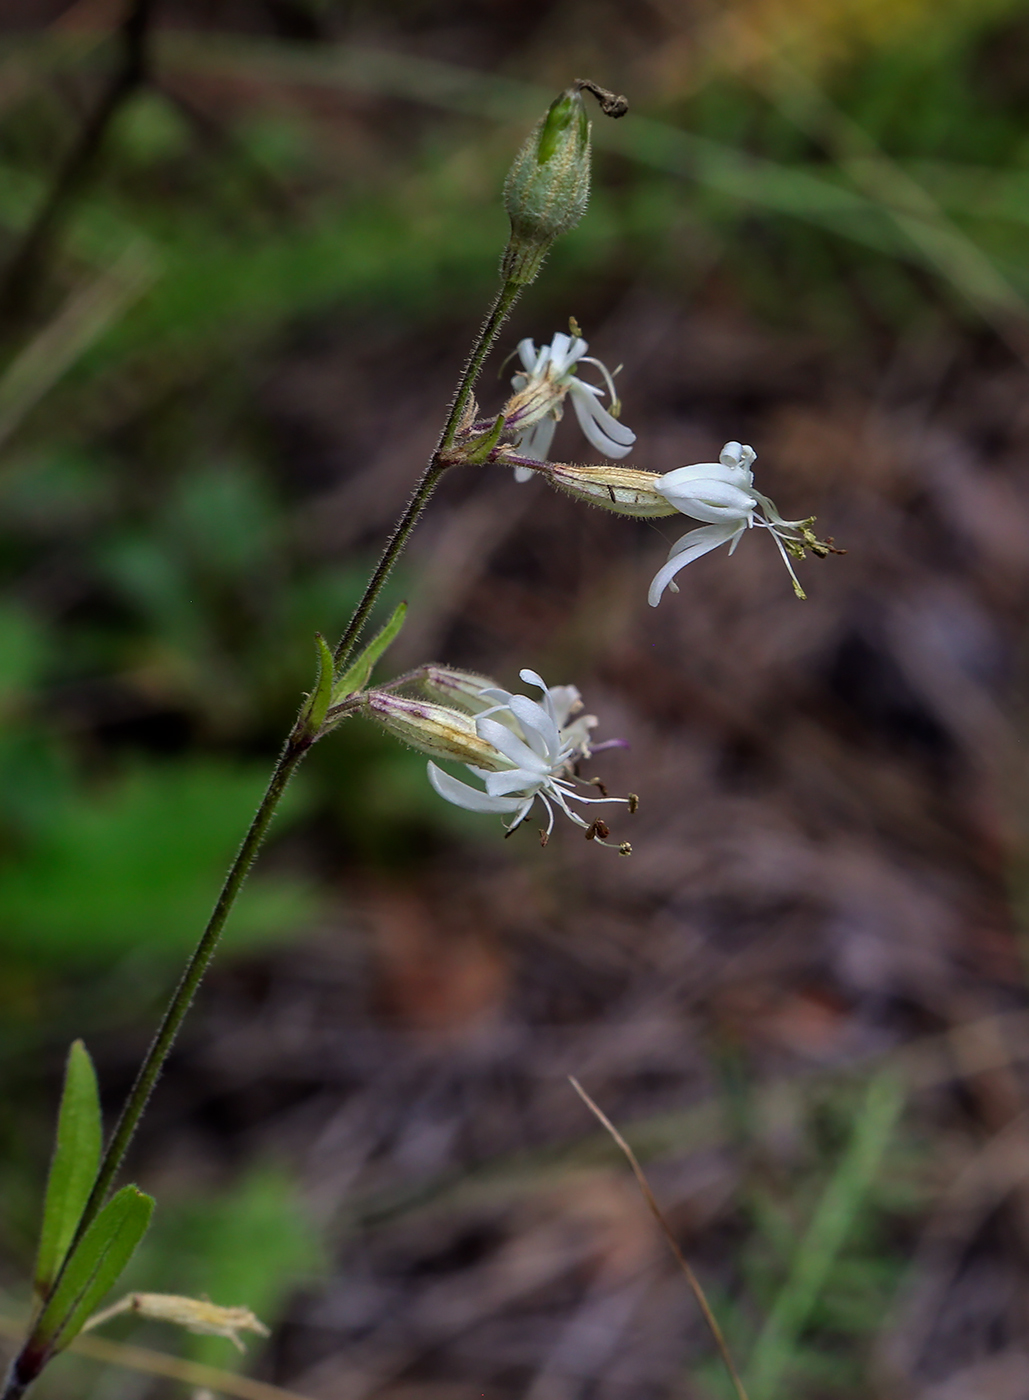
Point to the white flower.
(537, 745)
(539, 403)
(722, 494)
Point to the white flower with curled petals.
(722, 494)
(537, 744)
(538, 404)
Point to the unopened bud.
(433, 729)
(456, 687)
(623, 490)
(548, 186)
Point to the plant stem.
(286, 766)
(19, 1378)
(182, 998)
(427, 482)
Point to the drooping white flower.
(538, 404)
(722, 494)
(537, 744)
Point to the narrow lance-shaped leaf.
(73, 1167)
(321, 695)
(356, 677)
(93, 1268)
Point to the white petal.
(605, 432)
(713, 501)
(527, 353)
(565, 700)
(516, 750)
(592, 432)
(575, 352)
(461, 795)
(538, 727)
(532, 678)
(514, 780)
(535, 442)
(680, 477)
(523, 474)
(611, 425)
(725, 530)
(546, 699)
(690, 547)
(559, 348)
(735, 454)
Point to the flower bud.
(548, 186)
(433, 729)
(456, 687)
(623, 490)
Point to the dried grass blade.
(655, 1210)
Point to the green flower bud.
(548, 186)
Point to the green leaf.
(93, 1268)
(74, 1165)
(356, 677)
(321, 695)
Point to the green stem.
(290, 758)
(427, 482)
(150, 1069)
(26, 1367)
(498, 314)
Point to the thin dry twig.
(21, 280)
(655, 1210)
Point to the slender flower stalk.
(25, 1368)
(437, 465)
(290, 758)
(545, 194)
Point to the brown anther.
(634, 804)
(625, 849)
(544, 837)
(598, 828)
(611, 104)
(595, 782)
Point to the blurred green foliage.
(138, 860)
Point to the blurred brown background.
(226, 356)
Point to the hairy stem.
(150, 1069)
(26, 1366)
(428, 480)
